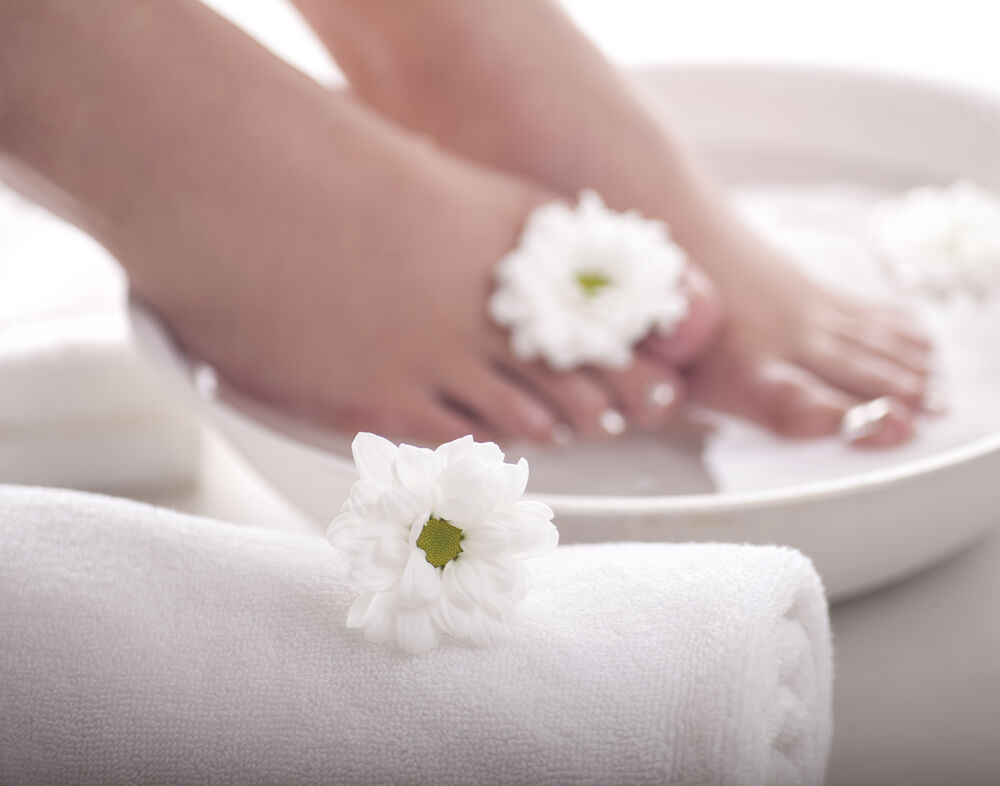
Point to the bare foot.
(369, 314)
(317, 256)
(515, 85)
(795, 356)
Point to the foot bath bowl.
(807, 153)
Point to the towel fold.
(78, 409)
(141, 645)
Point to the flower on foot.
(942, 240)
(585, 284)
(435, 540)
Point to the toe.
(648, 393)
(894, 342)
(422, 418)
(692, 337)
(880, 423)
(778, 395)
(503, 405)
(858, 370)
(794, 403)
(897, 323)
(581, 403)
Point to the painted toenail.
(933, 403)
(612, 421)
(865, 419)
(562, 434)
(538, 419)
(660, 395)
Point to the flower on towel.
(942, 240)
(434, 540)
(585, 284)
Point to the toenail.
(537, 418)
(660, 395)
(612, 421)
(933, 403)
(865, 419)
(562, 434)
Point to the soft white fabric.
(77, 408)
(140, 645)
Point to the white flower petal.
(364, 496)
(415, 631)
(380, 623)
(371, 576)
(480, 487)
(453, 588)
(403, 506)
(421, 582)
(515, 481)
(373, 456)
(504, 579)
(358, 612)
(466, 447)
(462, 512)
(416, 468)
(341, 530)
(550, 311)
(450, 618)
(541, 539)
(485, 540)
(467, 576)
(405, 599)
(487, 629)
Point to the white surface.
(917, 693)
(140, 645)
(950, 41)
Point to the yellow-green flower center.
(440, 541)
(591, 282)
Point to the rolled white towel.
(141, 645)
(78, 409)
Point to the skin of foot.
(318, 257)
(516, 86)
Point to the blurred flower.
(942, 240)
(585, 284)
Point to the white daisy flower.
(435, 540)
(585, 284)
(942, 240)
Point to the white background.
(949, 40)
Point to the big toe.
(868, 371)
(693, 336)
(793, 402)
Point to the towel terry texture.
(143, 646)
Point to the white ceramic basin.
(865, 519)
